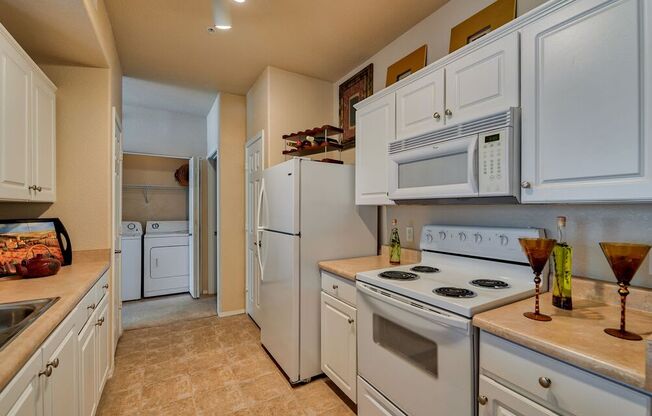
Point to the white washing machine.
(166, 258)
(132, 258)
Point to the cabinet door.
(338, 344)
(15, 134)
(420, 106)
(102, 327)
(375, 128)
(483, 82)
(44, 152)
(22, 396)
(61, 388)
(88, 368)
(501, 401)
(587, 95)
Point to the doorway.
(254, 165)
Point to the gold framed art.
(406, 66)
(490, 18)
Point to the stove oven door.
(419, 357)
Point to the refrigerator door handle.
(259, 229)
(260, 203)
(258, 246)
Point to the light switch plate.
(409, 234)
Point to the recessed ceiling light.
(221, 14)
(223, 27)
(239, 1)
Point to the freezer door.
(279, 299)
(279, 198)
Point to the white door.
(420, 106)
(587, 95)
(15, 134)
(375, 129)
(279, 198)
(44, 149)
(497, 400)
(193, 222)
(88, 367)
(22, 397)
(279, 295)
(116, 300)
(338, 344)
(61, 388)
(483, 82)
(254, 171)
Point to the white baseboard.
(230, 313)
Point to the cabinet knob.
(32, 187)
(54, 363)
(482, 400)
(105, 286)
(92, 306)
(47, 372)
(351, 320)
(545, 382)
(38, 188)
(436, 116)
(100, 322)
(526, 185)
(448, 112)
(335, 287)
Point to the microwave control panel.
(493, 161)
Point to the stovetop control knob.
(442, 235)
(462, 237)
(429, 238)
(503, 240)
(478, 238)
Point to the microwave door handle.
(441, 318)
(473, 164)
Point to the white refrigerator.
(306, 213)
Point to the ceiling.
(167, 40)
(141, 93)
(53, 31)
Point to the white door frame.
(249, 211)
(116, 226)
(215, 214)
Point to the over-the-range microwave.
(477, 159)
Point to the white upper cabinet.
(27, 127)
(375, 128)
(15, 124)
(44, 152)
(587, 103)
(420, 106)
(483, 82)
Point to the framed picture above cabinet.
(352, 91)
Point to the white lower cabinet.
(338, 335)
(66, 375)
(515, 380)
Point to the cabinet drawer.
(571, 390)
(338, 287)
(102, 286)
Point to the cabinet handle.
(448, 112)
(545, 382)
(47, 372)
(526, 185)
(100, 322)
(482, 400)
(32, 187)
(351, 320)
(92, 306)
(38, 188)
(54, 363)
(436, 116)
(335, 287)
(105, 286)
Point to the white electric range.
(417, 348)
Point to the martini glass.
(537, 251)
(624, 259)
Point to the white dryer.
(166, 258)
(132, 257)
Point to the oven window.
(448, 169)
(419, 351)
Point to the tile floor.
(209, 366)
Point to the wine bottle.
(395, 243)
(563, 262)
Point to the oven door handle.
(430, 314)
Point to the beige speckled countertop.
(348, 268)
(577, 337)
(70, 284)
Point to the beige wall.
(164, 205)
(83, 158)
(232, 202)
(258, 105)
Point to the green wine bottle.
(395, 245)
(563, 261)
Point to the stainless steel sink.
(16, 316)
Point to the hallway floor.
(209, 366)
(164, 310)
